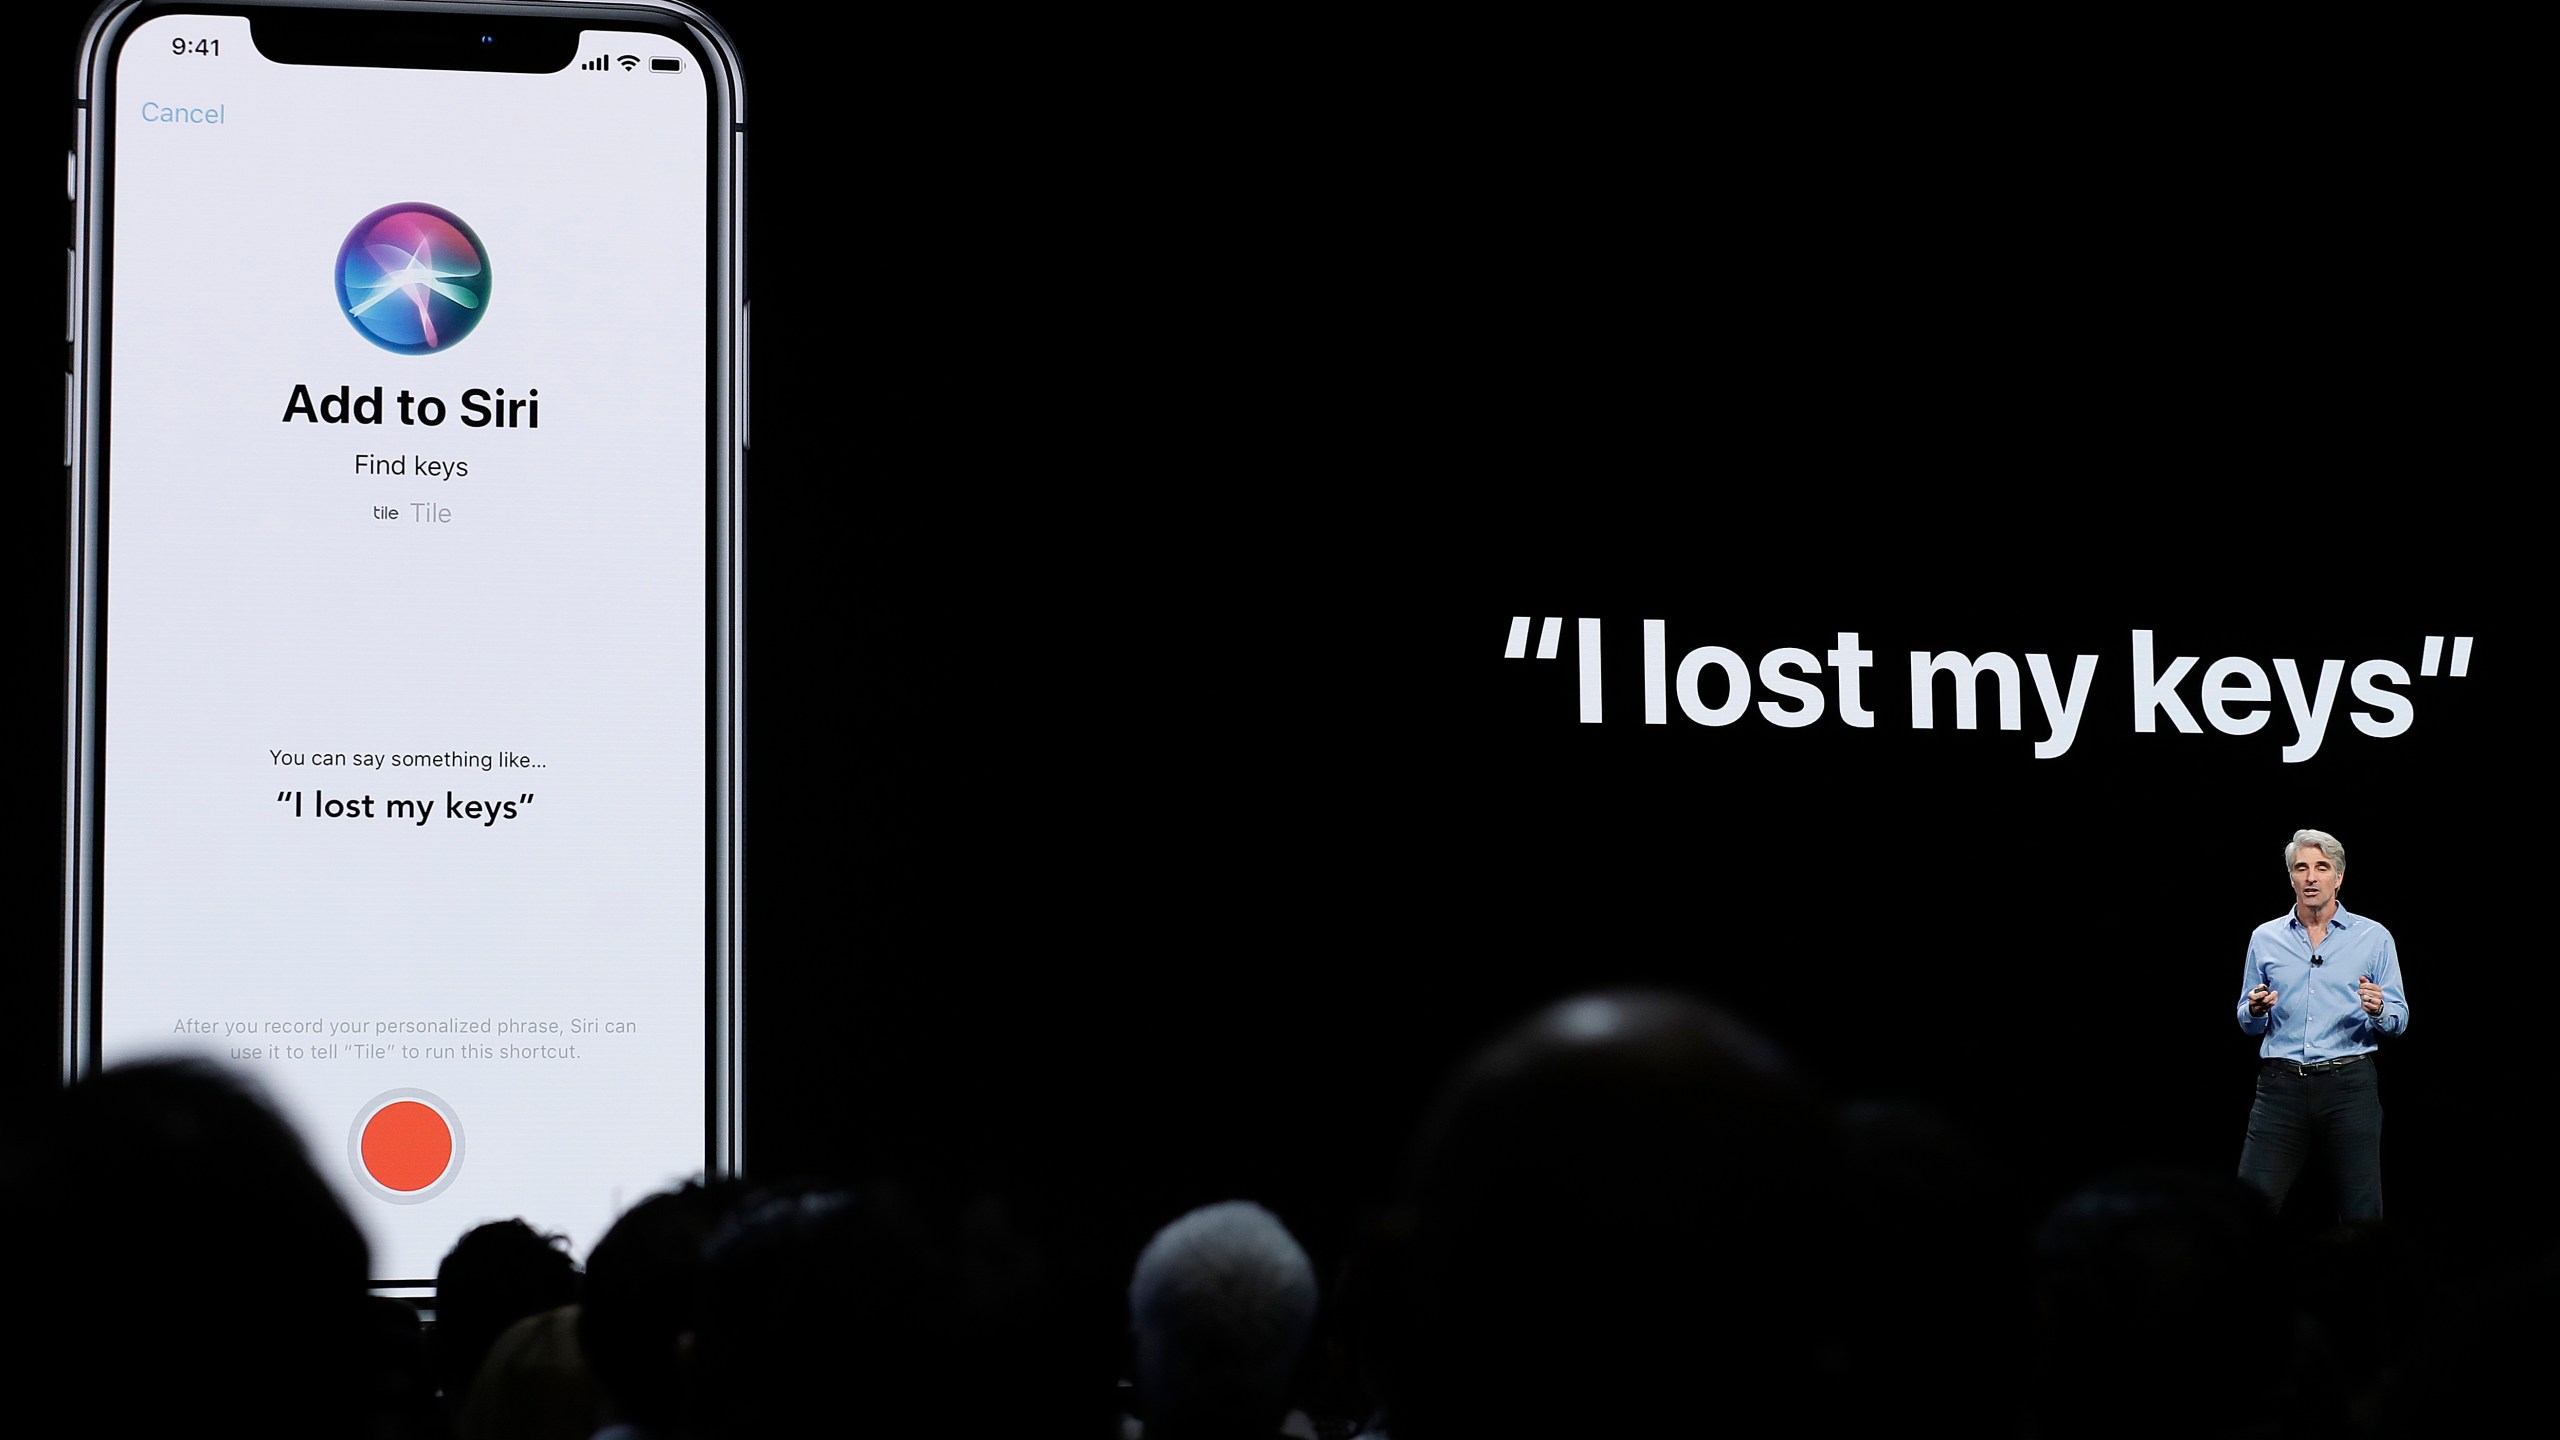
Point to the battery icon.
(665, 64)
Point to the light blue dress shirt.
(2317, 1015)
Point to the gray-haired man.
(2323, 986)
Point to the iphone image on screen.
(406, 457)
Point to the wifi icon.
(629, 62)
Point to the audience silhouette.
(1628, 1214)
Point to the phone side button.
(67, 383)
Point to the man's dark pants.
(2335, 1112)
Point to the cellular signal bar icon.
(601, 62)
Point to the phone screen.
(404, 797)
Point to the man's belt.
(2316, 1067)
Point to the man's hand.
(2262, 1000)
(2369, 994)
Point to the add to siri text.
(481, 409)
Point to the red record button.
(405, 1146)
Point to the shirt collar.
(2339, 919)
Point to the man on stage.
(2323, 986)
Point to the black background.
(1155, 431)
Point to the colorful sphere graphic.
(413, 278)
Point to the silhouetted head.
(779, 1339)
(178, 1248)
(495, 1275)
(533, 1384)
(1609, 1211)
(1931, 1233)
(643, 1297)
(2482, 1357)
(1221, 1304)
(920, 1317)
(2159, 1274)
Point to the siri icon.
(413, 278)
